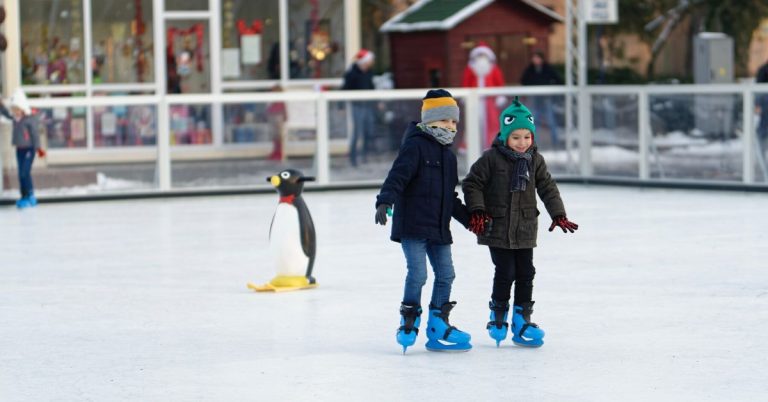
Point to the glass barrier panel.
(70, 168)
(560, 149)
(119, 126)
(63, 127)
(259, 140)
(696, 137)
(365, 137)
(615, 135)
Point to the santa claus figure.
(483, 72)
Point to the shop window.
(316, 34)
(52, 42)
(187, 57)
(186, 5)
(249, 33)
(122, 41)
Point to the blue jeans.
(24, 159)
(416, 251)
(362, 117)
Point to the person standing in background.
(482, 71)
(539, 72)
(360, 77)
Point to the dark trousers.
(513, 266)
(24, 159)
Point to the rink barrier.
(354, 186)
(584, 172)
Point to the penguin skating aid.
(291, 236)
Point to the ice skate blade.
(528, 344)
(438, 346)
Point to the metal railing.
(578, 140)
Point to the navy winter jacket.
(356, 78)
(421, 186)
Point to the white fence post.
(163, 146)
(585, 133)
(322, 159)
(644, 135)
(472, 127)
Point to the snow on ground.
(661, 295)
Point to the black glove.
(381, 213)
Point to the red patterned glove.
(41, 152)
(480, 223)
(564, 224)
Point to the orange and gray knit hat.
(439, 104)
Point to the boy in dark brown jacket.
(499, 191)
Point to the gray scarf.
(521, 175)
(442, 135)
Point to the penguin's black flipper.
(307, 232)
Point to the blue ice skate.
(498, 326)
(443, 337)
(23, 203)
(32, 200)
(409, 325)
(524, 332)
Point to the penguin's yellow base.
(283, 284)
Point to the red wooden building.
(430, 41)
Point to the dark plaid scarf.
(521, 176)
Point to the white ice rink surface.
(661, 295)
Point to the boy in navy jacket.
(421, 186)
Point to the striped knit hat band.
(439, 105)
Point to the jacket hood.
(19, 100)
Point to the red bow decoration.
(198, 30)
(255, 28)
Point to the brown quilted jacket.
(515, 216)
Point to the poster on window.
(230, 63)
(251, 48)
(77, 129)
(60, 113)
(108, 124)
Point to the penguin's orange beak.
(275, 180)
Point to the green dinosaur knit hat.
(513, 117)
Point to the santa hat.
(482, 49)
(364, 56)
